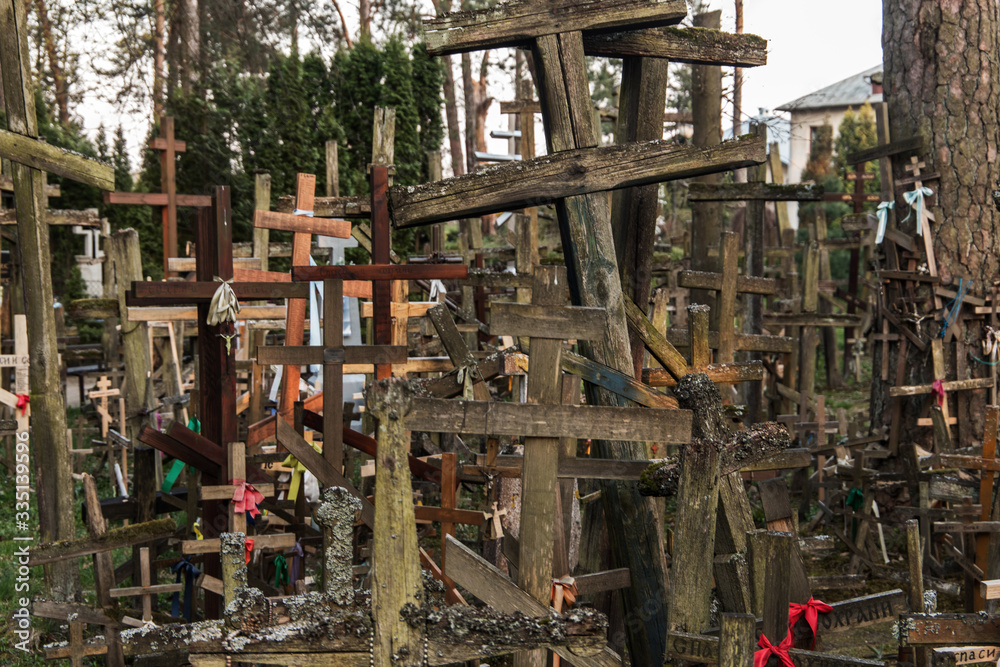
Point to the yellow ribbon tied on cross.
(298, 471)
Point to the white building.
(825, 106)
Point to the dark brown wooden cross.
(167, 199)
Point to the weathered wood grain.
(695, 46)
(713, 281)
(550, 322)
(518, 22)
(57, 217)
(550, 421)
(679, 338)
(749, 371)
(755, 191)
(40, 155)
(565, 174)
(288, 222)
(156, 199)
(331, 207)
(112, 539)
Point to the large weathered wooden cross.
(574, 175)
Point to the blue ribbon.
(917, 196)
(951, 310)
(188, 569)
(883, 219)
(300, 211)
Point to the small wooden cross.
(146, 589)
(926, 216)
(102, 393)
(76, 651)
(494, 522)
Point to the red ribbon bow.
(938, 390)
(249, 549)
(767, 649)
(247, 497)
(22, 402)
(810, 610)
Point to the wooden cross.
(728, 284)
(102, 392)
(146, 590)
(332, 355)
(77, 650)
(926, 216)
(167, 198)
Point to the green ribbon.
(280, 571)
(178, 466)
(855, 500)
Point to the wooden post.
(336, 515)
(985, 556)
(396, 577)
(706, 107)
(333, 374)
(104, 570)
(737, 639)
(753, 246)
(775, 549)
(234, 566)
(168, 183)
(914, 556)
(332, 170)
(262, 202)
(53, 468)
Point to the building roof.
(851, 92)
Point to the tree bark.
(159, 56)
(190, 43)
(942, 81)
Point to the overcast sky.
(811, 44)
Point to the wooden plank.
(836, 320)
(673, 361)
(550, 421)
(7, 183)
(695, 46)
(115, 538)
(551, 322)
(320, 467)
(750, 371)
(948, 629)
(380, 272)
(57, 217)
(280, 542)
(679, 338)
(163, 293)
(156, 199)
(188, 264)
(705, 649)
(755, 191)
(491, 586)
(331, 207)
(565, 174)
(305, 355)
(619, 383)
(175, 448)
(515, 23)
(303, 224)
(713, 281)
(190, 313)
(953, 385)
(40, 155)
(449, 515)
(951, 656)
(913, 144)
(64, 611)
(971, 527)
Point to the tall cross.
(167, 198)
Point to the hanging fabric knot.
(246, 497)
(300, 211)
(810, 611)
(298, 472)
(883, 219)
(990, 344)
(917, 197)
(280, 571)
(767, 650)
(248, 547)
(563, 591)
(194, 424)
(296, 555)
(937, 389)
(224, 305)
(22, 403)
(188, 569)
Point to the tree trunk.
(58, 75)
(159, 56)
(942, 81)
(189, 37)
(451, 104)
(364, 19)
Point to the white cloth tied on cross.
(917, 196)
(224, 305)
(883, 217)
(300, 211)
